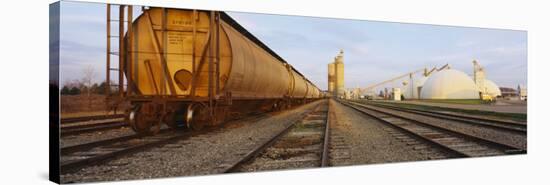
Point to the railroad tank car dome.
(449, 84)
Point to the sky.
(373, 51)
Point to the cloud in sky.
(374, 51)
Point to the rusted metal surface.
(129, 50)
(211, 63)
(108, 52)
(121, 51)
(223, 51)
(183, 58)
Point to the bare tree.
(87, 78)
(88, 75)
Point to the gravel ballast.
(514, 139)
(200, 155)
(368, 141)
(94, 136)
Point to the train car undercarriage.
(147, 117)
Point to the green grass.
(498, 115)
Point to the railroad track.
(90, 118)
(456, 143)
(509, 126)
(305, 143)
(64, 151)
(76, 157)
(67, 130)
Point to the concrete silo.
(339, 69)
(331, 78)
(336, 76)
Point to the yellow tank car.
(194, 68)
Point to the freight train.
(197, 68)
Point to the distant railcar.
(195, 68)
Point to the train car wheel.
(197, 116)
(139, 122)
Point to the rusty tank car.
(196, 68)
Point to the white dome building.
(410, 90)
(492, 88)
(449, 84)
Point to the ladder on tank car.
(121, 89)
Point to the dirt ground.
(84, 105)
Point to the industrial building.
(440, 83)
(455, 84)
(508, 92)
(449, 84)
(336, 76)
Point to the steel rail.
(260, 148)
(457, 154)
(85, 146)
(71, 166)
(78, 164)
(476, 138)
(519, 124)
(507, 149)
(90, 118)
(326, 140)
(79, 129)
(501, 125)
